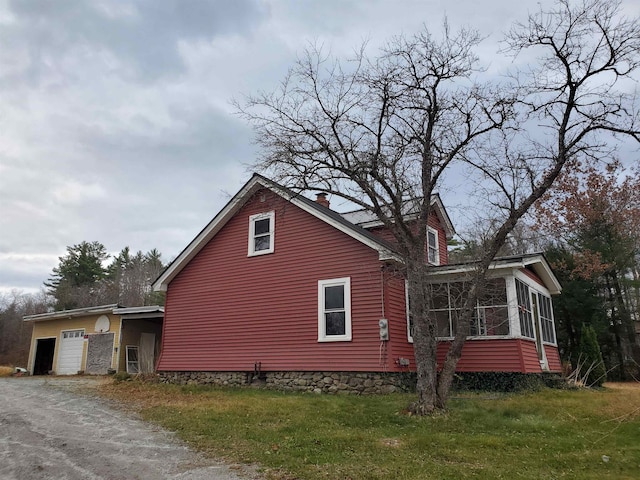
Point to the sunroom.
(516, 305)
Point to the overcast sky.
(115, 116)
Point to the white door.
(70, 353)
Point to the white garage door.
(70, 355)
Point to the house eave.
(233, 206)
(133, 313)
(439, 210)
(535, 261)
(77, 312)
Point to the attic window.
(261, 233)
(433, 250)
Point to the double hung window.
(334, 310)
(433, 249)
(261, 233)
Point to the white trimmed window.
(525, 312)
(334, 310)
(546, 319)
(409, 316)
(261, 233)
(133, 364)
(433, 250)
(490, 316)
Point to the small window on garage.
(133, 364)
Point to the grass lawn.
(548, 434)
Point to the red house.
(281, 289)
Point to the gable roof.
(366, 219)
(385, 249)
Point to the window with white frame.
(524, 310)
(433, 250)
(133, 364)
(491, 314)
(546, 319)
(409, 314)
(261, 233)
(334, 310)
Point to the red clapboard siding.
(433, 222)
(225, 311)
(500, 354)
(530, 361)
(398, 345)
(532, 275)
(553, 358)
(490, 355)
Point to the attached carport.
(140, 338)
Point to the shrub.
(590, 358)
(498, 381)
(121, 377)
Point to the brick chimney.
(321, 198)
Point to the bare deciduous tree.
(382, 131)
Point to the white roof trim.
(77, 312)
(215, 225)
(366, 219)
(142, 309)
(537, 262)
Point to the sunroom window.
(261, 233)
(525, 312)
(546, 319)
(491, 315)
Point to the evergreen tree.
(76, 281)
(591, 357)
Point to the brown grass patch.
(141, 395)
(623, 385)
(6, 371)
(391, 442)
(625, 404)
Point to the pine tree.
(591, 357)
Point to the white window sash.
(322, 285)
(252, 233)
(435, 246)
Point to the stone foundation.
(358, 383)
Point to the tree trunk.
(424, 338)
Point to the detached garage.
(94, 340)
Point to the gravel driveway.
(50, 431)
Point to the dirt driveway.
(50, 431)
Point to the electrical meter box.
(384, 329)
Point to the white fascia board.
(537, 262)
(443, 216)
(233, 207)
(543, 270)
(135, 310)
(436, 202)
(77, 312)
(383, 253)
(207, 233)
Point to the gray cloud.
(140, 39)
(115, 123)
